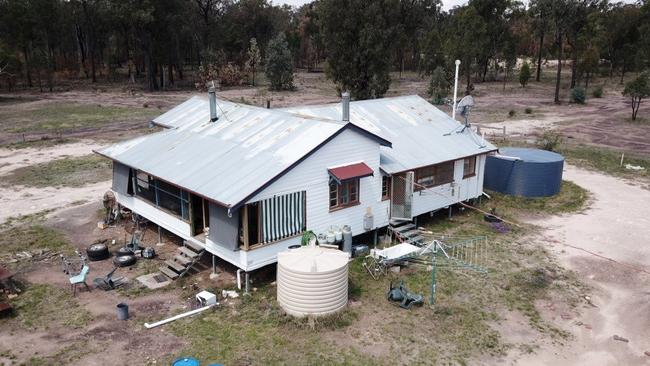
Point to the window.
(385, 187)
(272, 219)
(162, 194)
(345, 194)
(434, 175)
(469, 167)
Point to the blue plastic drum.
(186, 361)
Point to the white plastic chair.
(80, 278)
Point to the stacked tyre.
(124, 257)
(98, 252)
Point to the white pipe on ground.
(453, 111)
(179, 316)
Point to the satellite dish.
(465, 104)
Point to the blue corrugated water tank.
(524, 172)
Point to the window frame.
(386, 186)
(435, 171)
(152, 186)
(339, 190)
(465, 163)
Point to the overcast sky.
(446, 4)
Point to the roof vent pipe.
(345, 100)
(212, 96)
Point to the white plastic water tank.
(312, 281)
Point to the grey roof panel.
(226, 160)
(420, 133)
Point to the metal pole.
(432, 300)
(453, 111)
(247, 282)
(159, 234)
(214, 266)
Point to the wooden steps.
(184, 260)
(406, 232)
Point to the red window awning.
(358, 170)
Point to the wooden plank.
(410, 233)
(245, 227)
(168, 272)
(175, 266)
(183, 260)
(195, 247)
(188, 252)
(401, 229)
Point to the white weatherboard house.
(258, 178)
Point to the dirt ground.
(607, 247)
(614, 229)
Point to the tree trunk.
(574, 67)
(539, 56)
(559, 69)
(469, 74)
(28, 68)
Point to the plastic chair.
(80, 278)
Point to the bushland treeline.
(161, 44)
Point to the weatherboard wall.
(311, 175)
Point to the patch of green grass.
(255, 331)
(66, 172)
(32, 237)
(40, 143)
(67, 116)
(571, 198)
(42, 306)
(605, 160)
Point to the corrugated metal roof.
(227, 160)
(420, 133)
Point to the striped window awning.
(283, 216)
(352, 171)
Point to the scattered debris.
(618, 338)
(229, 293)
(405, 298)
(634, 167)
(154, 280)
(183, 315)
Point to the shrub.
(524, 74)
(549, 140)
(279, 64)
(578, 95)
(206, 74)
(511, 113)
(230, 75)
(438, 86)
(528, 110)
(598, 92)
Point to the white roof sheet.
(226, 160)
(420, 133)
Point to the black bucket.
(122, 311)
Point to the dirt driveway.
(614, 258)
(21, 200)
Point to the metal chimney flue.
(345, 100)
(212, 96)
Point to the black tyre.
(124, 260)
(123, 251)
(98, 252)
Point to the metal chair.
(78, 279)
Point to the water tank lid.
(306, 258)
(531, 155)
